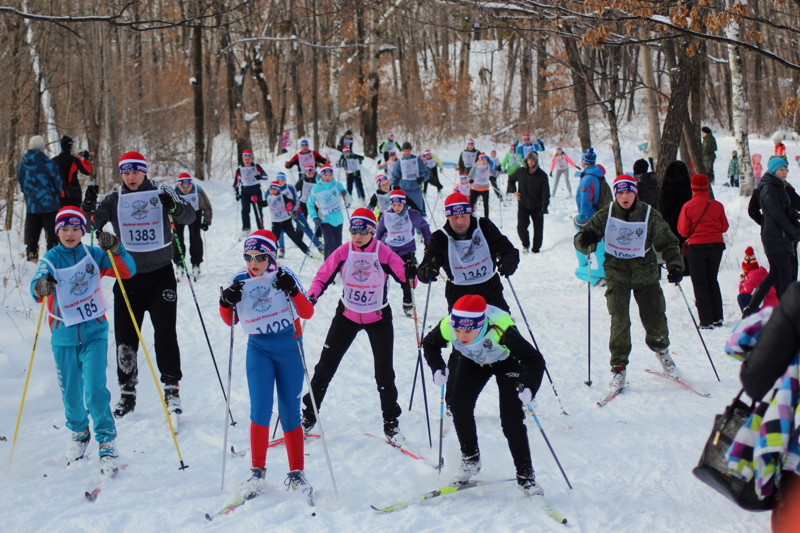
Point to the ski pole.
(428, 207)
(419, 359)
(688, 308)
(200, 314)
(311, 393)
(302, 264)
(529, 406)
(419, 363)
(546, 371)
(27, 380)
(440, 464)
(147, 356)
(227, 399)
(257, 210)
(588, 381)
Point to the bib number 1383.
(142, 235)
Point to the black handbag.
(713, 469)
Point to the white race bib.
(80, 295)
(306, 190)
(384, 202)
(626, 240)
(409, 168)
(469, 158)
(263, 309)
(328, 201)
(363, 279)
(399, 229)
(249, 175)
(277, 207)
(141, 221)
(480, 177)
(192, 198)
(353, 165)
(470, 260)
(306, 159)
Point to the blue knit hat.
(589, 157)
(775, 163)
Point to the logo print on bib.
(639, 232)
(625, 236)
(399, 222)
(140, 209)
(78, 284)
(487, 343)
(154, 201)
(89, 268)
(467, 254)
(261, 300)
(361, 270)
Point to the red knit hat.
(457, 204)
(750, 262)
(132, 161)
(398, 196)
(363, 219)
(624, 182)
(184, 178)
(263, 241)
(699, 182)
(70, 216)
(469, 312)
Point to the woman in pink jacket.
(561, 163)
(365, 265)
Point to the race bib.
(328, 201)
(626, 240)
(399, 229)
(353, 165)
(80, 295)
(277, 207)
(409, 168)
(469, 158)
(249, 175)
(481, 177)
(193, 198)
(141, 221)
(263, 309)
(306, 159)
(305, 192)
(470, 260)
(363, 279)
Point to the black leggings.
(473, 197)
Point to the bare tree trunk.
(50, 130)
(525, 83)
(239, 128)
(299, 119)
(650, 100)
(199, 110)
(513, 50)
(579, 93)
(739, 105)
(7, 170)
(541, 77)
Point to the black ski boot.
(126, 403)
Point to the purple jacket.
(410, 247)
(390, 261)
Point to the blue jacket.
(334, 219)
(588, 193)
(63, 257)
(40, 181)
(397, 173)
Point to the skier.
(70, 165)
(266, 298)
(246, 186)
(733, 170)
(345, 140)
(434, 165)
(634, 232)
(306, 157)
(298, 218)
(409, 174)
(758, 169)
(463, 186)
(40, 182)
(389, 164)
(364, 264)
(195, 196)
(351, 163)
(467, 158)
(325, 209)
(281, 206)
(528, 146)
(304, 186)
(487, 344)
(511, 162)
(380, 202)
(588, 198)
(286, 140)
(396, 229)
(480, 176)
(709, 152)
(387, 146)
(140, 212)
(68, 276)
(533, 199)
(561, 163)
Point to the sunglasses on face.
(360, 231)
(258, 258)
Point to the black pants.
(433, 179)
(496, 187)
(470, 379)
(340, 336)
(247, 200)
(524, 218)
(294, 234)
(473, 197)
(355, 179)
(153, 292)
(407, 285)
(195, 247)
(34, 223)
(704, 262)
(781, 269)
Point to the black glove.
(312, 299)
(551, 173)
(285, 282)
(232, 295)
(263, 203)
(107, 241)
(45, 286)
(419, 181)
(204, 226)
(317, 224)
(588, 238)
(410, 268)
(84, 154)
(167, 201)
(238, 195)
(90, 198)
(674, 274)
(429, 272)
(507, 264)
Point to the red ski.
(679, 382)
(404, 451)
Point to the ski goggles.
(361, 231)
(258, 258)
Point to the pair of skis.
(91, 495)
(611, 394)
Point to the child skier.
(351, 163)
(325, 208)
(480, 175)
(304, 186)
(380, 201)
(68, 276)
(365, 265)
(269, 302)
(396, 229)
(462, 186)
(246, 186)
(282, 204)
(195, 196)
(487, 344)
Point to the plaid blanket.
(746, 333)
(770, 441)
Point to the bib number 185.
(87, 310)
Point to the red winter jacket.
(712, 225)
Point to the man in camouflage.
(633, 233)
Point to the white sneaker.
(109, 465)
(667, 363)
(77, 445)
(617, 379)
(254, 485)
(470, 466)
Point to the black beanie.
(406, 145)
(640, 167)
(66, 143)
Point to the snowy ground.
(630, 462)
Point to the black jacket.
(648, 188)
(676, 190)
(780, 228)
(776, 348)
(534, 188)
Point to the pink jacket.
(561, 161)
(757, 167)
(390, 261)
(752, 280)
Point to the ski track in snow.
(629, 462)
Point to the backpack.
(605, 193)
